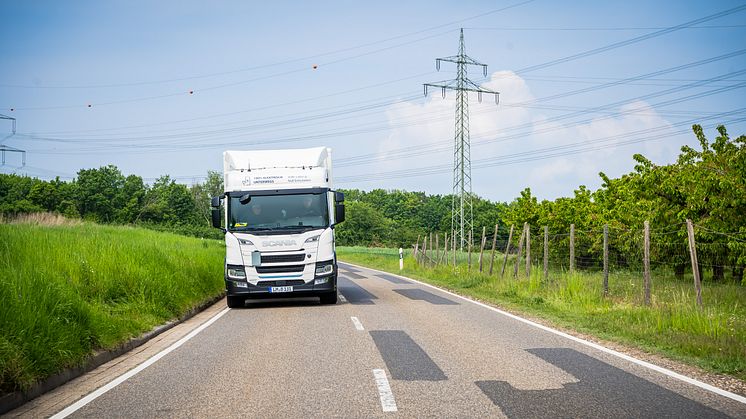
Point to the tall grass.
(713, 338)
(70, 289)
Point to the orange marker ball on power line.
(315, 66)
(191, 92)
(12, 109)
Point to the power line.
(295, 60)
(415, 151)
(357, 129)
(543, 153)
(632, 40)
(599, 29)
(225, 114)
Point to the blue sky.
(250, 66)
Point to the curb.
(13, 400)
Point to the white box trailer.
(279, 213)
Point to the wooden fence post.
(417, 249)
(437, 250)
(507, 250)
(469, 257)
(695, 263)
(646, 262)
(453, 244)
(424, 251)
(494, 242)
(606, 260)
(572, 248)
(528, 250)
(520, 251)
(481, 248)
(430, 248)
(546, 253)
(444, 257)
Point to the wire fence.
(682, 251)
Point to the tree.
(203, 192)
(98, 190)
(364, 225)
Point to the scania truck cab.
(278, 213)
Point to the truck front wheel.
(328, 298)
(235, 302)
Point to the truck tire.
(328, 298)
(236, 302)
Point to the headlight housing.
(313, 239)
(245, 242)
(236, 272)
(324, 268)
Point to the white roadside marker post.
(401, 258)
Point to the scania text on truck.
(278, 215)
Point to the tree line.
(107, 196)
(706, 185)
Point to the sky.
(163, 88)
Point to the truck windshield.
(278, 212)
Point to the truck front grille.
(279, 269)
(283, 258)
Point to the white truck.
(279, 213)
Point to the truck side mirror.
(216, 216)
(215, 202)
(339, 212)
(339, 197)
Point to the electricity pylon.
(4, 148)
(462, 213)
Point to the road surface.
(391, 347)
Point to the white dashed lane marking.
(356, 322)
(388, 404)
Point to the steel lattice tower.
(4, 148)
(461, 206)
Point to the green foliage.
(105, 195)
(407, 216)
(707, 186)
(364, 224)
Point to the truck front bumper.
(235, 288)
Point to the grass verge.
(69, 289)
(713, 338)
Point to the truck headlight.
(324, 269)
(236, 272)
(313, 239)
(245, 242)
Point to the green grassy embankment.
(713, 338)
(69, 290)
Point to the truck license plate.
(281, 289)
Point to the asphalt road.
(395, 347)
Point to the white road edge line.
(356, 322)
(634, 360)
(388, 404)
(129, 374)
